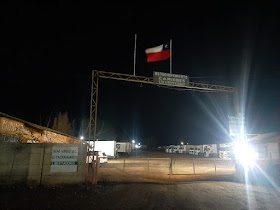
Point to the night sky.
(48, 52)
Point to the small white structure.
(267, 146)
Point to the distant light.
(139, 144)
(133, 141)
(136, 146)
(182, 143)
(82, 138)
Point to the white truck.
(191, 150)
(176, 149)
(210, 150)
(198, 149)
(109, 147)
(124, 148)
(170, 149)
(183, 149)
(225, 151)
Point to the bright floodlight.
(133, 141)
(82, 138)
(182, 143)
(244, 154)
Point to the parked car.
(101, 156)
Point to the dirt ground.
(148, 185)
(190, 195)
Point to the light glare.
(244, 154)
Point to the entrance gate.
(179, 82)
(148, 80)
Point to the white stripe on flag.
(154, 49)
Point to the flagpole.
(170, 68)
(134, 64)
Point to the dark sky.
(48, 52)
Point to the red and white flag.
(159, 53)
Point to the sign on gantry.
(170, 79)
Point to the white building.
(266, 146)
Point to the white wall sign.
(170, 79)
(64, 159)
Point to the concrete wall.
(267, 151)
(273, 151)
(30, 164)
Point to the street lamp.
(182, 143)
(133, 141)
(82, 138)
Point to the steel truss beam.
(147, 80)
(93, 106)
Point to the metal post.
(148, 165)
(91, 108)
(42, 168)
(215, 166)
(96, 104)
(171, 166)
(134, 67)
(170, 56)
(96, 169)
(93, 105)
(87, 168)
(193, 167)
(123, 165)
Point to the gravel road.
(190, 195)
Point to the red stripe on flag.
(159, 56)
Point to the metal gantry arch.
(147, 80)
